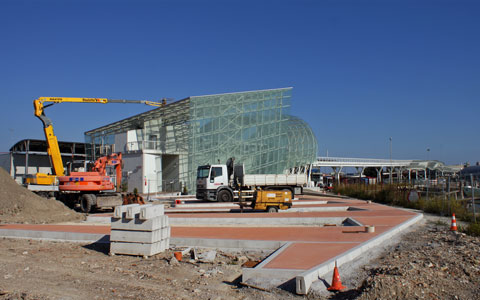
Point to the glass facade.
(254, 127)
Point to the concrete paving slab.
(254, 222)
(138, 236)
(306, 251)
(140, 225)
(234, 205)
(226, 243)
(304, 281)
(88, 234)
(142, 249)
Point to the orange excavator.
(97, 179)
(93, 188)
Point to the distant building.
(162, 148)
(28, 157)
(473, 170)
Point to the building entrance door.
(170, 173)
(158, 173)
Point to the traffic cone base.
(453, 227)
(336, 282)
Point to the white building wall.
(132, 140)
(133, 171)
(149, 173)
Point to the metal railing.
(359, 162)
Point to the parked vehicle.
(228, 183)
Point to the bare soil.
(429, 262)
(34, 269)
(19, 205)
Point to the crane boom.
(52, 142)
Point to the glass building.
(162, 148)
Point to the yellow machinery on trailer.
(270, 200)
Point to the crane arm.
(39, 107)
(52, 142)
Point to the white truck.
(228, 183)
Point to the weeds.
(398, 195)
(473, 229)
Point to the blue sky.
(362, 71)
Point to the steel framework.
(255, 127)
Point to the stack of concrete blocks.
(139, 230)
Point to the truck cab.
(210, 179)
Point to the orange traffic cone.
(454, 224)
(336, 282)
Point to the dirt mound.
(19, 205)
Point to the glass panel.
(254, 127)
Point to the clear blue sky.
(362, 71)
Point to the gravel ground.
(427, 262)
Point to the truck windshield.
(203, 172)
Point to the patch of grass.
(473, 229)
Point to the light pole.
(426, 170)
(391, 167)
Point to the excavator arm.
(52, 142)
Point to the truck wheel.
(224, 196)
(272, 209)
(87, 202)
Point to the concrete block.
(54, 235)
(120, 210)
(208, 256)
(134, 210)
(138, 236)
(167, 243)
(137, 248)
(151, 212)
(139, 225)
(225, 243)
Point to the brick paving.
(311, 245)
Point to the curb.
(55, 236)
(305, 280)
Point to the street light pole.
(391, 168)
(426, 170)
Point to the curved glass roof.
(254, 127)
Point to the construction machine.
(93, 188)
(96, 179)
(229, 182)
